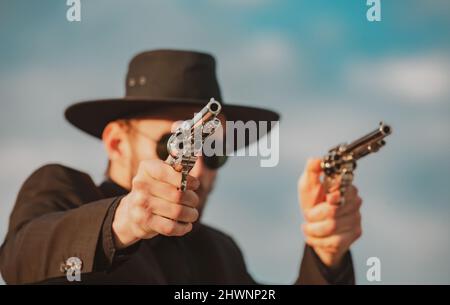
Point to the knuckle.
(140, 197)
(185, 229)
(176, 196)
(135, 215)
(358, 233)
(150, 201)
(154, 168)
(145, 227)
(137, 183)
(332, 248)
(332, 211)
(306, 228)
(334, 197)
(169, 228)
(331, 226)
(359, 201)
(148, 164)
(158, 173)
(195, 200)
(308, 215)
(145, 166)
(137, 231)
(145, 220)
(177, 211)
(188, 228)
(193, 181)
(355, 189)
(196, 215)
(358, 217)
(338, 241)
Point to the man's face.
(143, 135)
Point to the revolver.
(185, 144)
(340, 162)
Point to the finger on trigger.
(333, 198)
(190, 199)
(350, 207)
(350, 193)
(192, 183)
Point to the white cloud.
(410, 78)
(269, 52)
(265, 53)
(261, 70)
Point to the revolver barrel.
(210, 111)
(368, 143)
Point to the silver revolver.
(340, 162)
(186, 142)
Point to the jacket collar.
(111, 189)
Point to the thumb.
(310, 188)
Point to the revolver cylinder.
(341, 159)
(186, 142)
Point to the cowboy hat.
(163, 80)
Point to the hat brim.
(93, 116)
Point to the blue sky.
(331, 74)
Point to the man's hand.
(155, 205)
(329, 229)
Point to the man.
(137, 226)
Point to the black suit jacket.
(61, 213)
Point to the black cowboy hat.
(158, 80)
